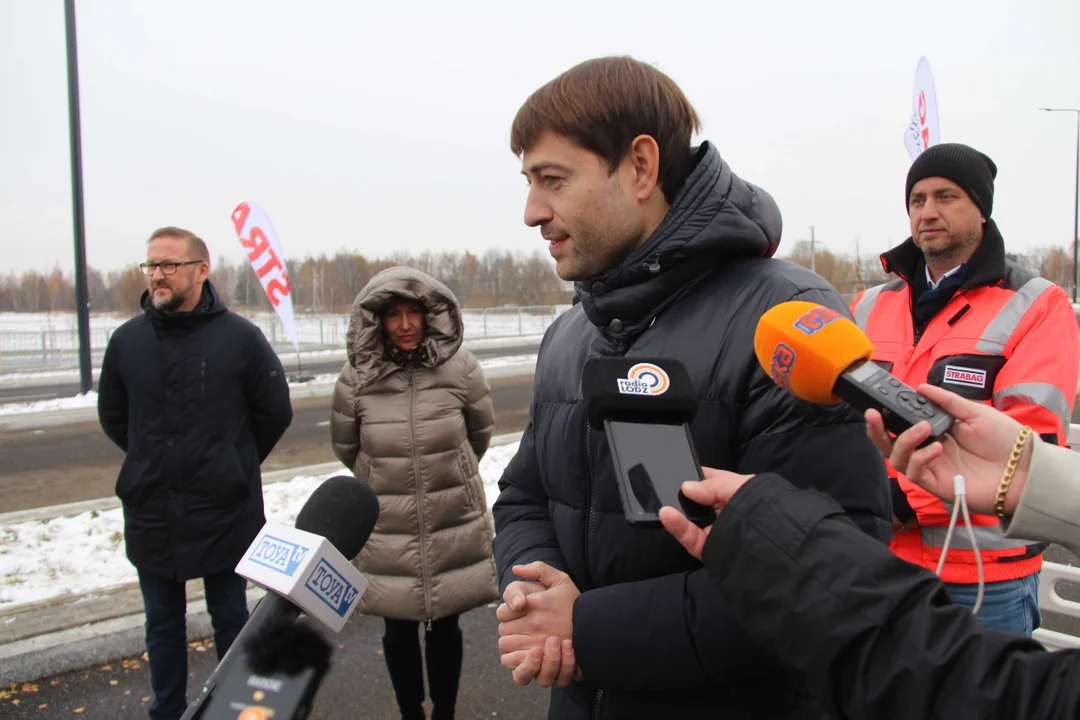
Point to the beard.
(169, 303)
(955, 245)
(604, 240)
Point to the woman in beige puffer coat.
(411, 416)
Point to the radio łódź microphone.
(643, 406)
(304, 569)
(820, 356)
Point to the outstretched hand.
(716, 490)
(979, 445)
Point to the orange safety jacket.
(1006, 337)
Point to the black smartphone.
(652, 461)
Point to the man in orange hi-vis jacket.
(963, 317)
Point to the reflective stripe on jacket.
(1008, 338)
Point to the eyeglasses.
(168, 268)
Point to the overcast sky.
(381, 126)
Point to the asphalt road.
(319, 367)
(356, 687)
(70, 463)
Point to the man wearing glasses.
(196, 398)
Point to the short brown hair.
(603, 104)
(195, 244)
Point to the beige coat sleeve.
(344, 425)
(1049, 507)
(479, 410)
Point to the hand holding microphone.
(814, 351)
(820, 356)
(983, 441)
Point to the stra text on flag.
(264, 252)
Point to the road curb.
(93, 644)
(104, 641)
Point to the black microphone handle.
(869, 385)
(270, 609)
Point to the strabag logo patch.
(280, 555)
(645, 379)
(971, 377)
(329, 586)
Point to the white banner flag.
(267, 260)
(922, 132)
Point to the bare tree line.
(496, 278)
(849, 274)
(324, 284)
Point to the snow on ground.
(66, 403)
(40, 560)
(507, 360)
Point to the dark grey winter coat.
(196, 401)
(652, 633)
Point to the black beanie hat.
(965, 166)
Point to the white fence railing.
(56, 348)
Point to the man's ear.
(643, 159)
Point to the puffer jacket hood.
(415, 435)
(716, 217)
(443, 327)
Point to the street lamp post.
(82, 294)
(1076, 197)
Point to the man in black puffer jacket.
(196, 398)
(671, 254)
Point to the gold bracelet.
(1010, 468)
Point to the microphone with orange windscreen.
(818, 355)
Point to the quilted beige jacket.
(415, 436)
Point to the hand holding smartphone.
(652, 461)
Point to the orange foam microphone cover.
(804, 347)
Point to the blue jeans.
(1009, 606)
(165, 603)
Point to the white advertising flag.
(922, 131)
(267, 260)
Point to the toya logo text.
(783, 359)
(280, 555)
(816, 319)
(330, 587)
(645, 379)
(965, 376)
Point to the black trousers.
(443, 651)
(166, 632)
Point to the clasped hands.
(536, 626)
(536, 617)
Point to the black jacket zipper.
(592, 508)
